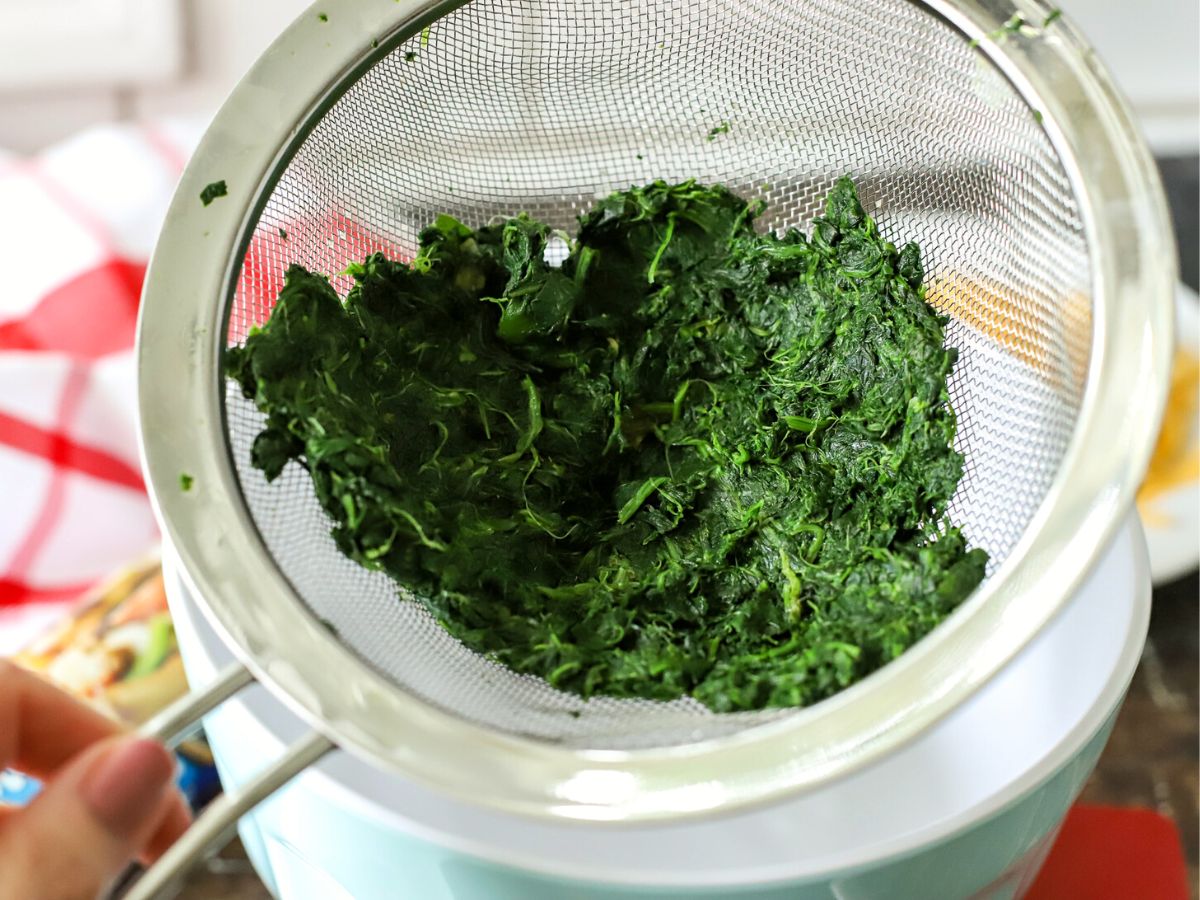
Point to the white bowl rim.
(1129, 542)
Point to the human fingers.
(96, 814)
(42, 727)
(173, 820)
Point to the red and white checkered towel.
(77, 225)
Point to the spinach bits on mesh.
(692, 459)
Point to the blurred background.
(157, 70)
(67, 64)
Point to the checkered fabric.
(77, 226)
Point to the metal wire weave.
(510, 105)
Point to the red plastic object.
(1108, 853)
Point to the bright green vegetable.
(160, 641)
(1018, 24)
(691, 460)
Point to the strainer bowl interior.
(489, 108)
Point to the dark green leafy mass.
(212, 191)
(691, 459)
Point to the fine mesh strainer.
(1003, 152)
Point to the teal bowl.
(967, 810)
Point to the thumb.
(88, 822)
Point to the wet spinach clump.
(691, 459)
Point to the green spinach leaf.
(692, 459)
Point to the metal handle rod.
(216, 824)
(177, 719)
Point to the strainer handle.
(216, 824)
(170, 725)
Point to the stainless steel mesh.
(510, 105)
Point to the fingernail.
(126, 784)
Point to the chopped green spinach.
(1018, 24)
(691, 459)
(212, 191)
(723, 128)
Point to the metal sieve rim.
(255, 608)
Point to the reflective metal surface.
(1012, 163)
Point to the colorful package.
(116, 650)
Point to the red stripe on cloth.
(72, 206)
(164, 147)
(52, 505)
(90, 316)
(18, 593)
(67, 453)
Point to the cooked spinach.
(1018, 24)
(692, 459)
(723, 128)
(212, 191)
